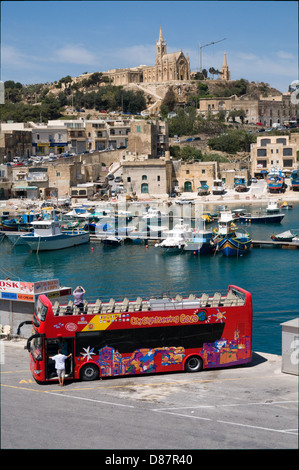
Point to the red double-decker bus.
(129, 337)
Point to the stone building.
(266, 110)
(189, 176)
(148, 138)
(148, 176)
(273, 151)
(168, 67)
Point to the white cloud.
(74, 54)
(14, 59)
(285, 55)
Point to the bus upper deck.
(234, 297)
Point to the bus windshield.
(41, 310)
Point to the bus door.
(51, 349)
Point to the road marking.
(90, 399)
(283, 431)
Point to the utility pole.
(205, 45)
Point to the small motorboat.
(285, 205)
(111, 240)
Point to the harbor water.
(130, 270)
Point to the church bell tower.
(161, 48)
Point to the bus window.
(41, 310)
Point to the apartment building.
(15, 141)
(273, 151)
(48, 140)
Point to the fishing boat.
(201, 243)
(218, 187)
(176, 239)
(22, 224)
(47, 235)
(276, 181)
(203, 190)
(272, 214)
(295, 179)
(230, 240)
(240, 184)
(287, 236)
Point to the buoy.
(92, 248)
(146, 246)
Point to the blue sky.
(43, 41)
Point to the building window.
(144, 178)
(287, 151)
(203, 171)
(129, 179)
(57, 173)
(261, 152)
(281, 141)
(144, 188)
(158, 178)
(138, 128)
(288, 163)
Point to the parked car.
(111, 176)
(254, 180)
(118, 179)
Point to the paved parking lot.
(252, 407)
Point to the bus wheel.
(89, 372)
(194, 364)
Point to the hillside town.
(98, 155)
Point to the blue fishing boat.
(276, 181)
(230, 240)
(240, 184)
(47, 235)
(295, 179)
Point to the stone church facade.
(168, 67)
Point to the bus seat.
(138, 304)
(110, 306)
(97, 306)
(204, 300)
(131, 307)
(56, 308)
(178, 298)
(125, 305)
(216, 299)
(145, 306)
(69, 308)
